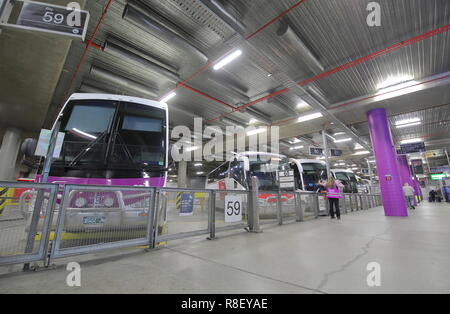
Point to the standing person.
(432, 196)
(409, 194)
(333, 195)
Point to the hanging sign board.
(413, 148)
(417, 166)
(316, 151)
(53, 19)
(435, 153)
(336, 152)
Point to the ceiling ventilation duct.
(116, 50)
(255, 114)
(216, 7)
(146, 22)
(233, 91)
(286, 32)
(115, 79)
(283, 106)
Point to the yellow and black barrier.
(6, 195)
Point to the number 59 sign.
(233, 208)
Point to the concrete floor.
(318, 256)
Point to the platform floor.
(318, 256)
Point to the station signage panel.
(335, 152)
(413, 148)
(439, 176)
(52, 19)
(417, 166)
(440, 169)
(316, 151)
(286, 178)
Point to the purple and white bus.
(112, 140)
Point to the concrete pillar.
(386, 160)
(406, 175)
(8, 154)
(182, 174)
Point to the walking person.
(333, 195)
(409, 194)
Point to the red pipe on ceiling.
(370, 97)
(208, 65)
(354, 63)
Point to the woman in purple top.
(333, 195)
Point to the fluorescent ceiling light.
(296, 147)
(190, 149)
(358, 146)
(310, 117)
(339, 133)
(363, 152)
(414, 140)
(84, 133)
(394, 80)
(257, 131)
(168, 97)
(198, 165)
(295, 141)
(408, 122)
(398, 90)
(408, 125)
(201, 172)
(253, 121)
(334, 139)
(227, 59)
(302, 104)
(343, 140)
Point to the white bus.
(236, 174)
(347, 178)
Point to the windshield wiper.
(87, 148)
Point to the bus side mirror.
(246, 165)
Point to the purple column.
(386, 160)
(406, 175)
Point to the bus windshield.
(314, 172)
(266, 172)
(108, 135)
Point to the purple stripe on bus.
(148, 182)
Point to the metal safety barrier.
(47, 221)
(24, 233)
(98, 218)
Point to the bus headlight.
(80, 202)
(108, 202)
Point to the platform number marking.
(233, 208)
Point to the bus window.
(219, 173)
(298, 179)
(86, 121)
(140, 137)
(237, 172)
